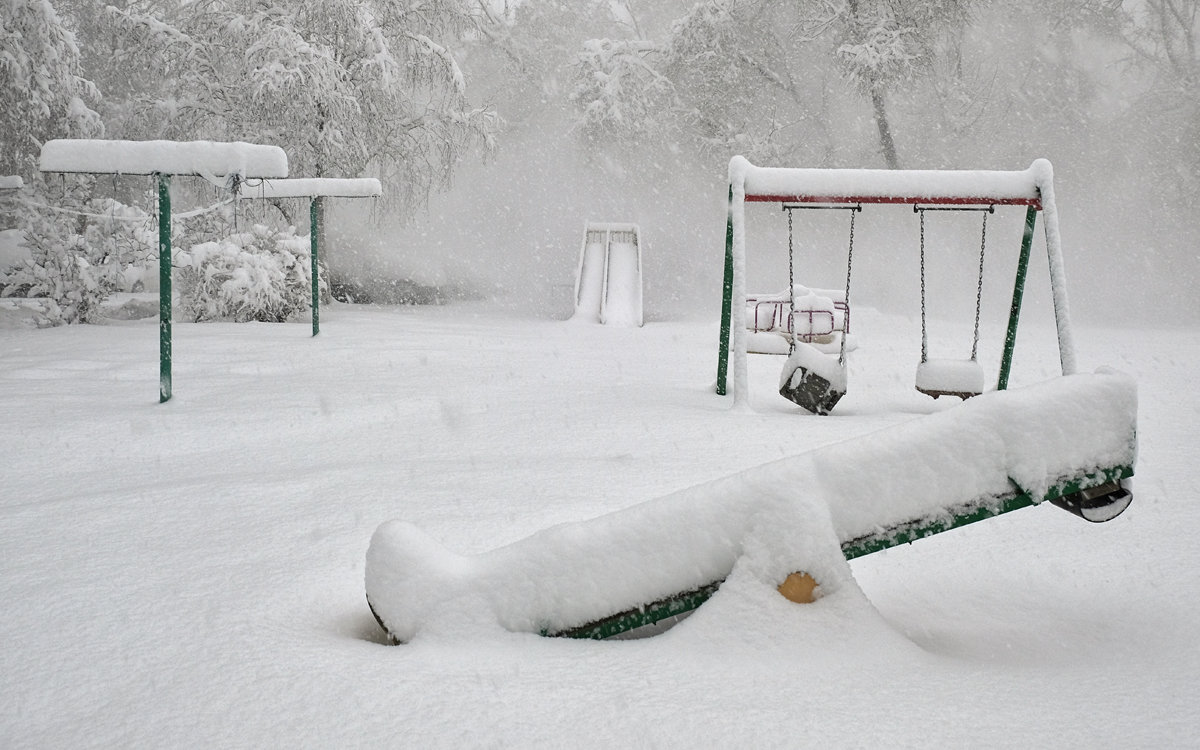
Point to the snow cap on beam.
(314, 187)
(890, 186)
(11, 182)
(163, 157)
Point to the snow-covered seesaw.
(792, 524)
(1069, 441)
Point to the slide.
(589, 281)
(608, 283)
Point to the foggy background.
(499, 127)
(1046, 83)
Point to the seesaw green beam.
(905, 533)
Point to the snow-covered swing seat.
(1070, 441)
(962, 378)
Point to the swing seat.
(963, 378)
(812, 380)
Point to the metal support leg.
(314, 213)
(726, 303)
(164, 288)
(1010, 339)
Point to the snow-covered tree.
(43, 93)
(344, 86)
(1163, 42)
(619, 92)
(760, 76)
(529, 51)
(887, 43)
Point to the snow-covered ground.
(191, 574)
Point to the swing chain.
(979, 287)
(924, 331)
(849, 266)
(791, 291)
(235, 186)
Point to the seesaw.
(1070, 441)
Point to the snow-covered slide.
(589, 279)
(1070, 441)
(608, 281)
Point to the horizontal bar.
(990, 208)
(312, 187)
(961, 200)
(793, 206)
(97, 156)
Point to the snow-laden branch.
(443, 54)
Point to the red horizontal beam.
(903, 199)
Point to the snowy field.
(191, 574)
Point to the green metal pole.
(1010, 340)
(726, 301)
(314, 213)
(164, 288)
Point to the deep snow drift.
(191, 574)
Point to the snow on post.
(163, 157)
(1058, 277)
(937, 186)
(314, 187)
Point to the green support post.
(1010, 339)
(164, 287)
(314, 213)
(726, 301)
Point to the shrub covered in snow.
(83, 249)
(80, 252)
(261, 275)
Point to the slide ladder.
(608, 281)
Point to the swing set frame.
(1032, 188)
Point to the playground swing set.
(809, 378)
(1081, 428)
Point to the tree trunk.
(885, 130)
(887, 145)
